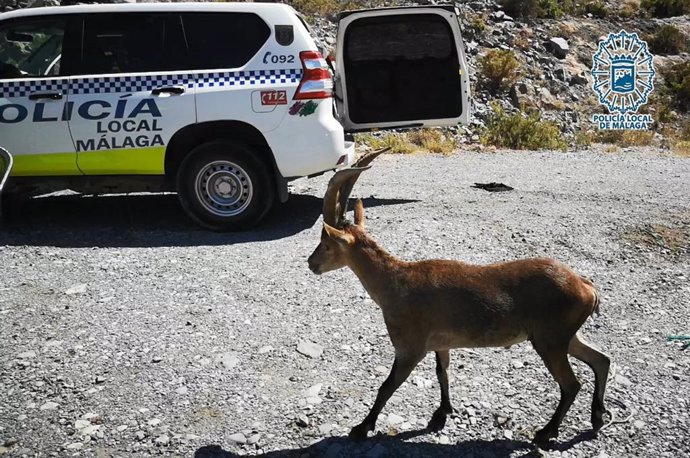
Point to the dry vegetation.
(415, 141)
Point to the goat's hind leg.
(599, 362)
(402, 367)
(555, 356)
(438, 420)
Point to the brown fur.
(438, 305)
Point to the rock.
(302, 420)
(238, 438)
(558, 46)
(265, 349)
(121, 428)
(313, 391)
(517, 364)
(100, 379)
(50, 405)
(81, 424)
(154, 422)
(508, 434)
(10, 442)
(90, 430)
(75, 446)
(309, 349)
(560, 73)
(444, 440)
(580, 78)
(27, 354)
(522, 94)
(228, 360)
(325, 428)
(162, 440)
(254, 439)
(3, 450)
(394, 419)
(79, 288)
(181, 390)
(140, 435)
(623, 380)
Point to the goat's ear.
(339, 236)
(359, 213)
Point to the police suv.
(223, 103)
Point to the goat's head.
(338, 235)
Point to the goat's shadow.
(148, 220)
(381, 446)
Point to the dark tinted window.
(132, 43)
(31, 49)
(223, 40)
(406, 36)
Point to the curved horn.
(331, 208)
(346, 188)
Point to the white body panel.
(37, 127)
(116, 118)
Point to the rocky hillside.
(533, 58)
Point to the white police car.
(224, 103)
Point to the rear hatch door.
(401, 67)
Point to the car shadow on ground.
(396, 446)
(144, 220)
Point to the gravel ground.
(127, 331)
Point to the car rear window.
(410, 37)
(223, 40)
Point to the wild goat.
(439, 305)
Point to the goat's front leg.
(402, 367)
(438, 420)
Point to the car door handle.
(176, 90)
(46, 95)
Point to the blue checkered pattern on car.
(248, 78)
(138, 83)
(21, 88)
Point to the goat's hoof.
(437, 422)
(359, 433)
(543, 436)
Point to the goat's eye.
(326, 248)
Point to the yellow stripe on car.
(136, 161)
(45, 164)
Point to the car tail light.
(316, 81)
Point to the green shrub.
(596, 8)
(323, 7)
(521, 132)
(666, 8)
(668, 40)
(677, 84)
(498, 69)
(537, 8)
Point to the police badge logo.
(623, 72)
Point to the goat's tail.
(595, 293)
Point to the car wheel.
(225, 186)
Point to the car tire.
(225, 186)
